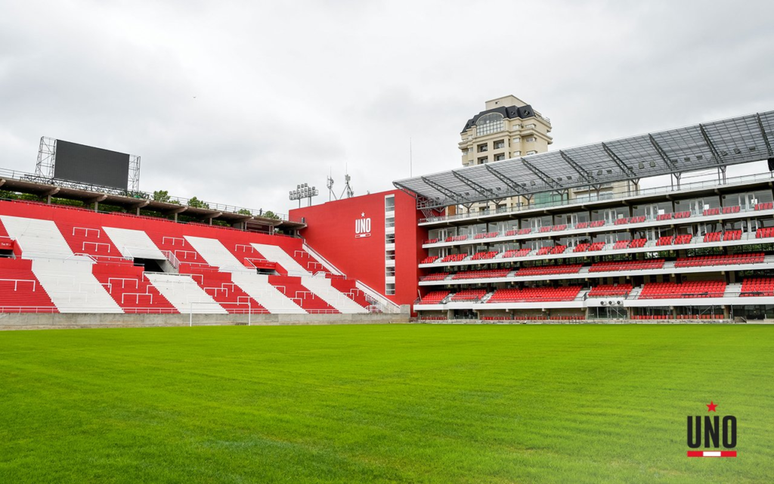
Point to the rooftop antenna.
(347, 188)
(329, 184)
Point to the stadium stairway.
(223, 289)
(320, 286)
(216, 254)
(259, 288)
(134, 243)
(733, 289)
(72, 286)
(184, 293)
(292, 287)
(37, 238)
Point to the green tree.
(196, 203)
(161, 196)
(244, 211)
(270, 214)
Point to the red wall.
(331, 231)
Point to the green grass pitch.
(386, 403)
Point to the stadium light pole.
(303, 191)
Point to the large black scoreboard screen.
(94, 166)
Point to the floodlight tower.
(303, 191)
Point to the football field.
(383, 403)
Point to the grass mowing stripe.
(421, 403)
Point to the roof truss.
(699, 147)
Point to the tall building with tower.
(507, 128)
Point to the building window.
(531, 125)
(489, 123)
(498, 145)
(531, 152)
(389, 204)
(531, 139)
(389, 289)
(499, 157)
(517, 153)
(482, 148)
(483, 159)
(517, 140)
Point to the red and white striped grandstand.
(65, 260)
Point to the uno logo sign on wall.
(362, 226)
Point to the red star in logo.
(711, 407)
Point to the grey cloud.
(237, 102)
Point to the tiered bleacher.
(671, 290)
(482, 274)
(434, 297)
(610, 290)
(516, 253)
(535, 294)
(468, 295)
(548, 270)
(454, 257)
(20, 290)
(764, 232)
(717, 260)
(759, 287)
(456, 238)
(436, 276)
(581, 247)
(627, 265)
(484, 255)
(79, 261)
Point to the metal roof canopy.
(704, 146)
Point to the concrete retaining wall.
(70, 321)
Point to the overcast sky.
(237, 102)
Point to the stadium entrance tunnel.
(153, 265)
